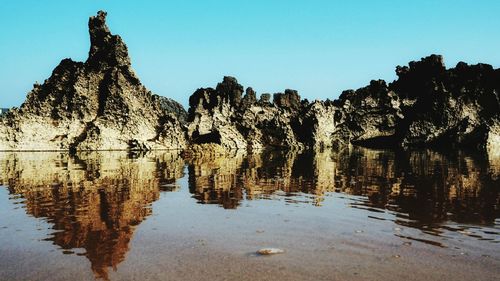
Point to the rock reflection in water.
(93, 200)
(228, 180)
(421, 187)
(427, 186)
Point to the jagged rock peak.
(96, 105)
(230, 88)
(419, 76)
(224, 118)
(106, 49)
(426, 106)
(289, 100)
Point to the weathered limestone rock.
(100, 104)
(289, 122)
(96, 105)
(368, 115)
(319, 126)
(447, 108)
(428, 105)
(493, 141)
(221, 116)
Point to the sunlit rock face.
(368, 116)
(427, 106)
(93, 200)
(223, 117)
(99, 104)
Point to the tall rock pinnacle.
(96, 105)
(106, 49)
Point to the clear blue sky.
(317, 47)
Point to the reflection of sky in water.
(90, 204)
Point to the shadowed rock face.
(96, 105)
(368, 115)
(427, 106)
(171, 106)
(222, 117)
(458, 107)
(100, 104)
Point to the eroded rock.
(221, 116)
(96, 105)
(100, 104)
(427, 106)
(455, 107)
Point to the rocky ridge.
(427, 106)
(99, 104)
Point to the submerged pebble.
(270, 251)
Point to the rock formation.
(457, 107)
(427, 106)
(100, 104)
(223, 117)
(96, 105)
(171, 106)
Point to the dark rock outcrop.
(3, 111)
(100, 104)
(170, 106)
(455, 107)
(427, 106)
(367, 116)
(96, 105)
(222, 117)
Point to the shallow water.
(354, 214)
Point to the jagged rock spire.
(97, 105)
(106, 49)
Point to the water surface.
(353, 214)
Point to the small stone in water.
(270, 251)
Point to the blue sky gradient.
(316, 47)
